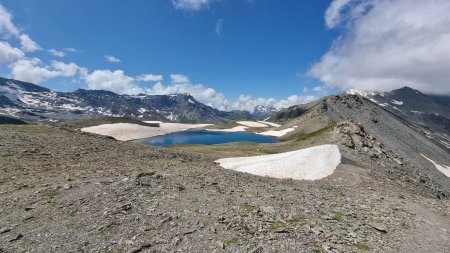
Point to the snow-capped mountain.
(429, 112)
(31, 102)
(264, 112)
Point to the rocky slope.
(64, 191)
(375, 135)
(31, 102)
(430, 113)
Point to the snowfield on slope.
(442, 168)
(305, 164)
(278, 133)
(127, 131)
(252, 124)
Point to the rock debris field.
(62, 190)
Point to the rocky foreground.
(66, 191)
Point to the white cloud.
(178, 78)
(388, 44)
(28, 45)
(57, 53)
(115, 81)
(246, 102)
(219, 26)
(113, 59)
(34, 71)
(149, 78)
(190, 5)
(6, 24)
(209, 96)
(71, 49)
(333, 14)
(203, 94)
(9, 54)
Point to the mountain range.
(30, 102)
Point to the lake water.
(206, 137)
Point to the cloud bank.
(388, 44)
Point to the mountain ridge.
(32, 103)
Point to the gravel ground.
(66, 191)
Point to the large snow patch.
(128, 131)
(305, 164)
(278, 133)
(442, 168)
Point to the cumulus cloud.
(219, 26)
(246, 102)
(178, 78)
(112, 59)
(71, 49)
(190, 5)
(209, 96)
(34, 71)
(9, 54)
(6, 24)
(28, 45)
(149, 78)
(388, 44)
(181, 84)
(116, 81)
(57, 53)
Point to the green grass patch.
(320, 250)
(231, 241)
(362, 247)
(247, 207)
(277, 226)
(303, 136)
(379, 221)
(338, 216)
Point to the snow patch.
(127, 131)
(357, 92)
(305, 164)
(270, 123)
(234, 129)
(446, 144)
(277, 133)
(252, 124)
(442, 168)
(190, 101)
(396, 102)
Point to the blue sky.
(231, 54)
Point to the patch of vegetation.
(247, 207)
(303, 136)
(277, 226)
(75, 225)
(379, 221)
(231, 241)
(362, 247)
(338, 216)
(320, 250)
(301, 189)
